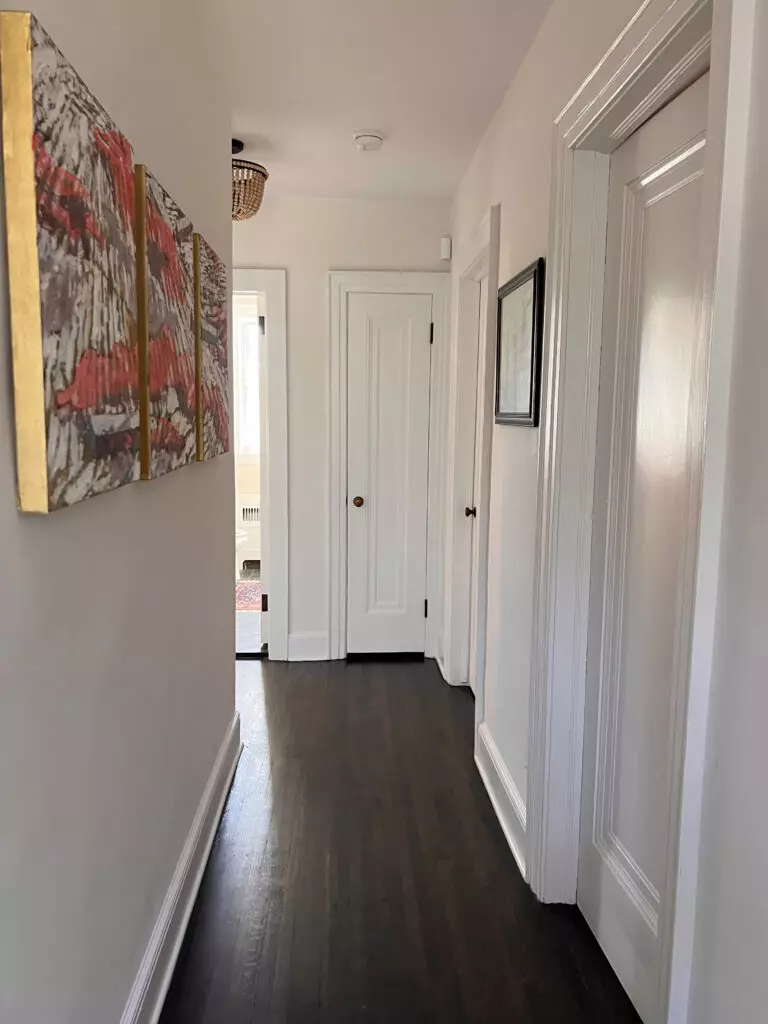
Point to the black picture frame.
(516, 412)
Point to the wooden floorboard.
(359, 872)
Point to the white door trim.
(666, 46)
(274, 537)
(342, 284)
(477, 257)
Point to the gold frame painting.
(72, 276)
(211, 351)
(166, 329)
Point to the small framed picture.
(518, 347)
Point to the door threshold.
(259, 655)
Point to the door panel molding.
(341, 285)
(664, 48)
(389, 369)
(676, 173)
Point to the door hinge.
(432, 334)
(426, 608)
(265, 602)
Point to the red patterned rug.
(248, 596)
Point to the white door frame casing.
(274, 538)
(343, 283)
(477, 257)
(665, 47)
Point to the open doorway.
(260, 437)
(249, 336)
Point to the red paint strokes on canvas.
(219, 322)
(170, 368)
(87, 270)
(116, 150)
(166, 436)
(214, 403)
(171, 355)
(165, 254)
(63, 197)
(214, 291)
(100, 377)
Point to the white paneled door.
(646, 516)
(387, 471)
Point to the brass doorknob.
(358, 502)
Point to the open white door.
(646, 518)
(264, 466)
(273, 412)
(387, 465)
(479, 570)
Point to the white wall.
(512, 167)
(308, 238)
(730, 975)
(116, 624)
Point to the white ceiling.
(305, 74)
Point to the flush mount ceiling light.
(248, 181)
(368, 142)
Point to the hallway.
(359, 872)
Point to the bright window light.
(249, 336)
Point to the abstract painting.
(69, 194)
(211, 302)
(164, 250)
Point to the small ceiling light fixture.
(368, 142)
(248, 181)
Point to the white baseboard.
(504, 794)
(309, 646)
(151, 985)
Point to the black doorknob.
(470, 511)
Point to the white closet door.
(388, 460)
(650, 432)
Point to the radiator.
(248, 529)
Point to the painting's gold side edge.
(23, 263)
(142, 317)
(198, 349)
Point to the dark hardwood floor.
(359, 872)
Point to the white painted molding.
(469, 248)
(310, 646)
(145, 1001)
(441, 665)
(504, 795)
(274, 490)
(342, 283)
